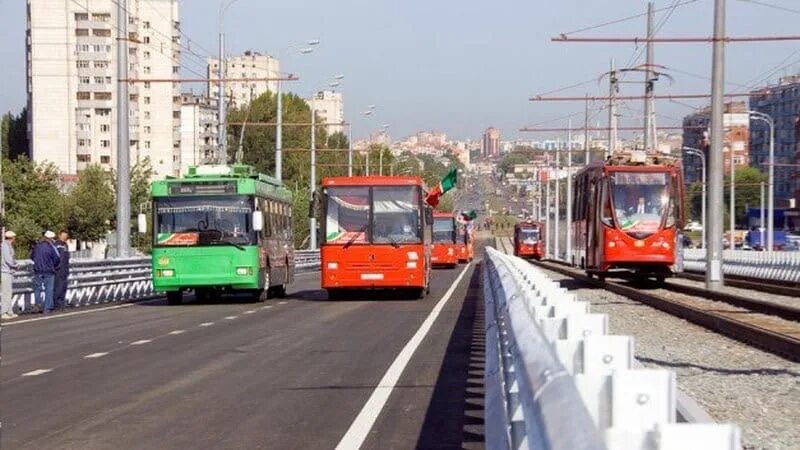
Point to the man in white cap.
(7, 268)
(45, 264)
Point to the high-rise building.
(490, 144)
(199, 120)
(696, 128)
(780, 101)
(329, 106)
(72, 83)
(253, 66)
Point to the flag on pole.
(447, 183)
(467, 216)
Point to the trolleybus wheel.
(280, 291)
(175, 297)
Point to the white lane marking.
(206, 324)
(266, 307)
(230, 317)
(142, 341)
(283, 303)
(361, 426)
(36, 372)
(95, 355)
(176, 332)
(250, 311)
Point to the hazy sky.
(460, 66)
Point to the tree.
(693, 202)
(91, 204)
(5, 126)
(141, 173)
(747, 192)
(338, 140)
(15, 134)
(33, 200)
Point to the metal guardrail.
(556, 380)
(778, 266)
(93, 281)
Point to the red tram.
(529, 240)
(627, 214)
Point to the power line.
(769, 5)
(625, 19)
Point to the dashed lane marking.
(141, 341)
(36, 372)
(176, 332)
(230, 317)
(206, 324)
(283, 302)
(266, 307)
(363, 423)
(250, 311)
(95, 355)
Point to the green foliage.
(91, 204)
(141, 173)
(747, 191)
(33, 201)
(337, 140)
(300, 217)
(14, 135)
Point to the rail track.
(769, 326)
(770, 286)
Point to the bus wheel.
(175, 297)
(417, 293)
(336, 294)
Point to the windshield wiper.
(221, 241)
(393, 241)
(355, 236)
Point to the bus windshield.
(640, 200)
(394, 211)
(203, 220)
(444, 230)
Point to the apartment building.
(251, 65)
(490, 144)
(781, 101)
(736, 122)
(72, 87)
(199, 121)
(329, 106)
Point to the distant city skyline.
(470, 70)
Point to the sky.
(462, 66)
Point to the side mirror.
(142, 223)
(258, 221)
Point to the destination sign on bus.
(640, 178)
(203, 187)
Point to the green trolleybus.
(221, 229)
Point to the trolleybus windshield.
(203, 220)
(444, 229)
(640, 200)
(395, 213)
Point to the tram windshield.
(640, 201)
(529, 235)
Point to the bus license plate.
(371, 276)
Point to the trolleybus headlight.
(333, 265)
(244, 271)
(165, 272)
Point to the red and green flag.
(447, 183)
(467, 216)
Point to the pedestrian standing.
(45, 264)
(8, 266)
(62, 274)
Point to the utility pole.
(556, 234)
(761, 219)
(279, 135)
(350, 150)
(568, 250)
(547, 215)
(223, 140)
(648, 83)
(586, 147)
(312, 220)
(733, 200)
(123, 139)
(714, 279)
(612, 110)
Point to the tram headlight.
(244, 271)
(450, 251)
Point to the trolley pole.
(612, 112)
(648, 83)
(714, 279)
(312, 184)
(279, 135)
(586, 147)
(123, 140)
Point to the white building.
(329, 105)
(72, 88)
(251, 65)
(198, 130)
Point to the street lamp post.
(702, 156)
(221, 134)
(758, 115)
(380, 157)
(761, 218)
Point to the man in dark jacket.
(60, 289)
(45, 264)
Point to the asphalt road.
(291, 373)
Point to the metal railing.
(778, 266)
(97, 281)
(556, 380)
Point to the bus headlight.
(413, 256)
(167, 273)
(665, 245)
(244, 271)
(612, 244)
(411, 265)
(333, 265)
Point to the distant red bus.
(529, 240)
(376, 235)
(443, 248)
(464, 247)
(627, 213)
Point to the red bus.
(529, 240)
(464, 248)
(376, 235)
(627, 214)
(443, 249)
